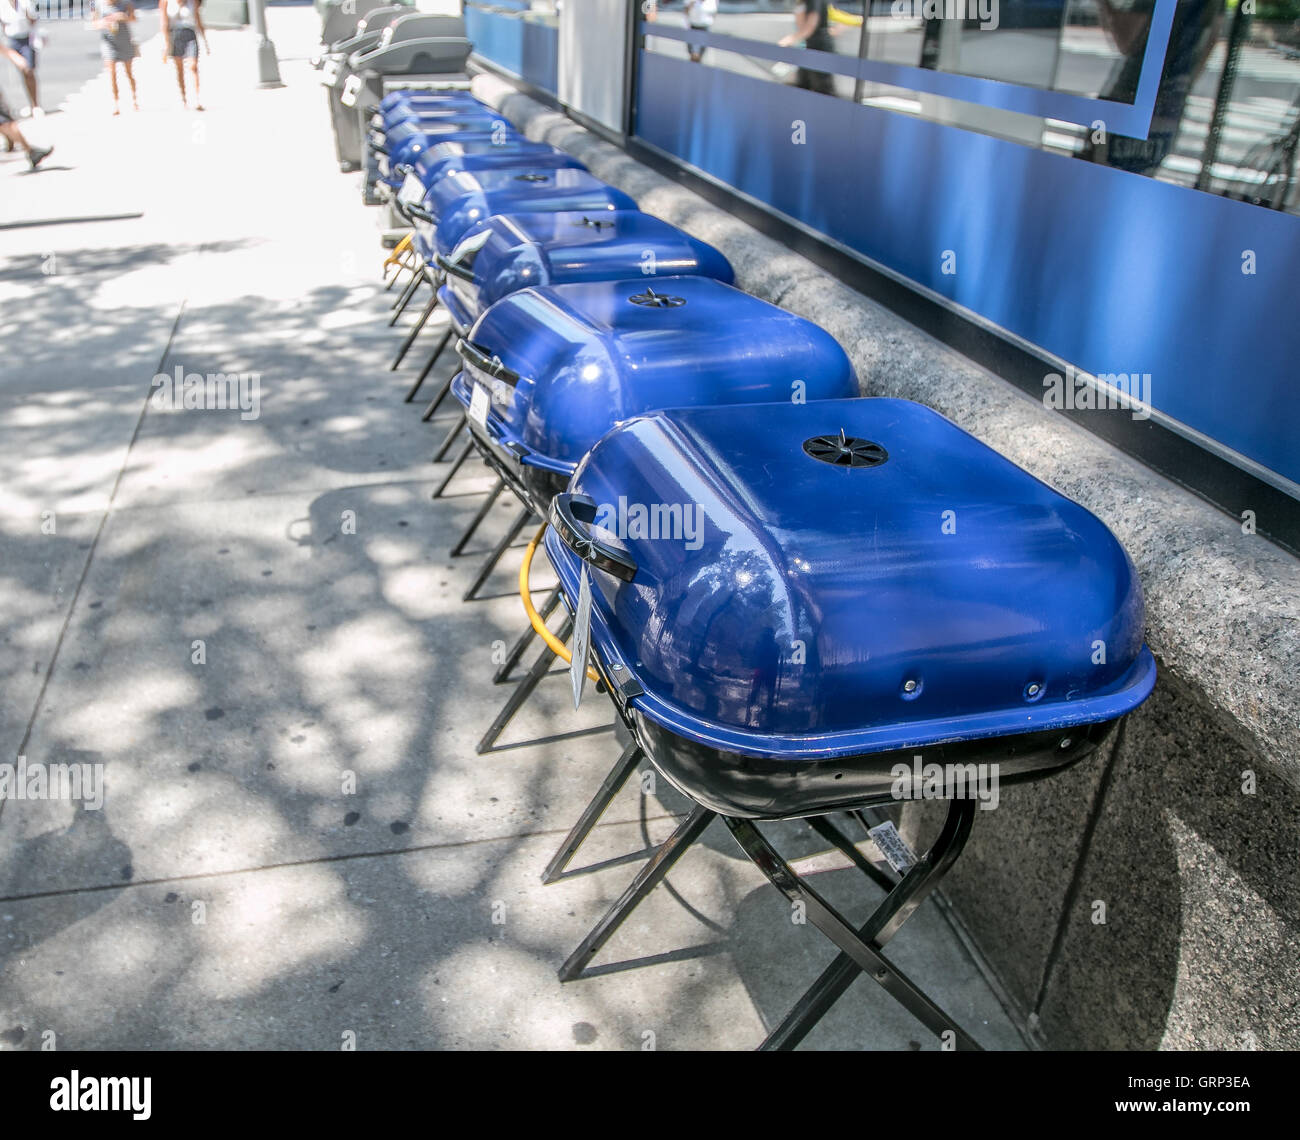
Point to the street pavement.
(250, 625)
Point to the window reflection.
(1226, 117)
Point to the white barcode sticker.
(479, 405)
(892, 846)
(581, 637)
(412, 190)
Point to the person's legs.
(24, 55)
(180, 78)
(111, 67)
(193, 63)
(128, 66)
(12, 135)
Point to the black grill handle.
(484, 361)
(453, 267)
(570, 515)
(419, 212)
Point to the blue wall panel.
(1115, 272)
(522, 47)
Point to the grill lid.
(445, 158)
(460, 200)
(589, 355)
(782, 603)
(570, 246)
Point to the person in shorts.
(18, 23)
(14, 137)
(114, 18)
(700, 15)
(181, 28)
(812, 29)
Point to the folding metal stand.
(530, 680)
(860, 949)
(437, 352)
(404, 298)
(456, 464)
(415, 331)
(443, 388)
(449, 438)
(498, 551)
(526, 638)
(478, 518)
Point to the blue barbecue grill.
(455, 203)
(448, 158)
(403, 143)
(868, 590)
(549, 371)
(398, 101)
(509, 252)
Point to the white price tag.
(581, 637)
(893, 847)
(479, 404)
(412, 191)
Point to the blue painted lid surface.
(571, 246)
(417, 98)
(405, 144)
(446, 158)
(588, 355)
(937, 592)
(460, 200)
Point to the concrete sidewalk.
(185, 601)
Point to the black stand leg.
(485, 571)
(393, 280)
(609, 788)
(437, 352)
(646, 880)
(404, 298)
(832, 834)
(525, 639)
(522, 692)
(860, 950)
(410, 337)
(478, 518)
(456, 465)
(449, 439)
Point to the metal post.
(268, 64)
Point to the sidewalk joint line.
(345, 857)
(94, 545)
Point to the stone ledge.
(1223, 608)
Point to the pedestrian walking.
(182, 26)
(114, 18)
(20, 41)
(700, 15)
(813, 31)
(14, 137)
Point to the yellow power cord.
(395, 258)
(526, 595)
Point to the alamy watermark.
(672, 522)
(213, 391)
(1106, 391)
(985, 11)
(922, 781)
(37, 781)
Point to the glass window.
(1222, 101)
